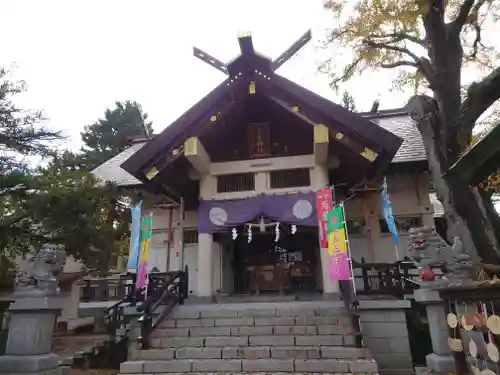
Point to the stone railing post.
(441, 359)
(32, 318)
(385, 333)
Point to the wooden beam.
(321, 141)
(210, 60)
(354, 144)
(212, 117)
(246, 43)
(292, 50)
(196, 154)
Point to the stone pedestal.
(441, 360)
(29, 344)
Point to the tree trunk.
(465, 215)
(492, 213)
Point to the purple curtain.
(219, 216)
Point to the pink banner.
(339, 267)
(324, 204)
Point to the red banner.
(324, 204)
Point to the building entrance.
(264, 265)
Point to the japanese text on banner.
(324, 204)
(338, 246)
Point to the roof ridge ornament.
(247, 49)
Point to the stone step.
(241, 341)
(252, 331)
(253, 352)
(343, 320)
(260, 373)
(250, 365)
(191, 312)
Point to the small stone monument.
(427, 250)
(33, 315)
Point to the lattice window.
(290, 178)
(403, 224)
(190, 236)
(356, 226)
(236, 182)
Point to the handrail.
(351, 304)
(395, 279)
(166, 296)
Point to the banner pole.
(348, 249)
(181, 235)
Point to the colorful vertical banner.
(324, 204)
(135, 234)
(387, 212)
(146, 230)
(338, 249)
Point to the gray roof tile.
(403, 126)
(111, 171)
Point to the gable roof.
(252, 72)
(396, 121)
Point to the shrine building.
(245, 164)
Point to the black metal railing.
(107, 289)
(389, 279)
(351, 305)
(161, 300)
(472, 310)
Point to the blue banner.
(135, 234)
(387, 212)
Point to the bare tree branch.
(468, 8)
(400, 63)
(387, 46)
(398, 37)
(463, 14)
(477, 40)
(480, 96)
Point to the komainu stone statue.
(38, 275)
(427, 250)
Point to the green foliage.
(429, 44)
(109, 135)
(90, 217)
(348, 101)
(62, 203)
(392, 34)
(20, 136)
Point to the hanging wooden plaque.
(259, 139)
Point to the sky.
(79, 57)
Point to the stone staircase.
(265, 338)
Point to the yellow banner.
(337, 242)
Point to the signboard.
(146, 230)
(324, 204)
(338, 247)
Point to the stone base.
(30, 364)
(442, 364)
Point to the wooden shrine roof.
(480, 161)
(396, 121)
(222, 103)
